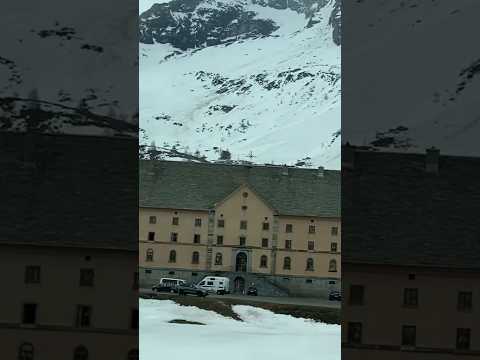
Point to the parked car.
(252, 290)
(215, 284)
(168, 285)
(335, 295)
(190, 289)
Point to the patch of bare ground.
(183, 321)
(224, 307)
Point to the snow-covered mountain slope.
(260, 79)
(64, 69)
(423, 53)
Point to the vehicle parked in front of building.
(252, 290)
(190, 289)
(168, 285)
(335, 295)
(215, 284)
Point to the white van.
(168, 284)
(216, 284)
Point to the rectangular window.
(243, 240)
(219, 240)
(198, 222)
(354, 334)
(463, 339)
(410, 297)
(266, 226)
(311, 229)
(464, 301)
(264, 242)
(311, 245)
(29, 315)
(87, 277)
(84, 316)
(288, 244)
(409, 335)
(151, 236)
(196, 239)
(152, 220)
(173, 237)
(221, 223)
(333, 247)
(134, 319)
(175, 220)
(288, 228)
(32, 274)
(243, 225)
(356, 294)
(334, 231)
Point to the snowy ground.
(261, 335)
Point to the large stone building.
(411, 256)
(68, 247)
(275, 226)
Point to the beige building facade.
(411, 256)
(242, 236)
(67, 294)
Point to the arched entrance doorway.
(241, 262)
(239, 285)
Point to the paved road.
(272, 300)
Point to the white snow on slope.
(261, 335)
(282, 125)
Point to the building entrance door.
(241, 262)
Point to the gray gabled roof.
(199, 186)
(395, 213)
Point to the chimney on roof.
(321, 172)
(348, 156)
(431, 160)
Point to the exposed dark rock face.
(336, 22)
(190, 24)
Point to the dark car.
(252, 290)
(190, 289)
(335, 295)
(163, 288)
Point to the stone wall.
(267, 285)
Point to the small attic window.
(245, 194)
(244, 207)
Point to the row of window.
(244, 224)
(287, 261)
(409, 335)
(411, 298)
(26, 352)
(86, 278)
(83, 317)
(242, 241)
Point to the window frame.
(406, 341)
(407, 297)
(30, 272)
(264, 261)
(195, 258)
(149, 255)
(87, 277)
